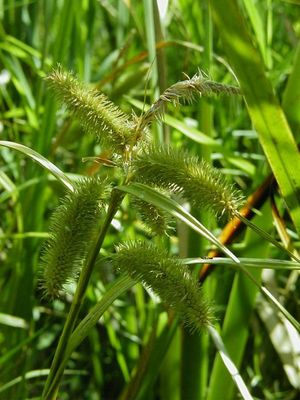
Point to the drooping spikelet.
(95, 112)
(168, 278)
(176, 170)
(185, 91)
(72, 229)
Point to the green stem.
(52, 383)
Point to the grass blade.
(150, 195)
(37, 374)
(285, 340)
(260, 263)
(291, 95)
(231, 368)
(267, 116)
(42, 161)
(82, 330)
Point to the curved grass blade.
(150, 195)
(118, 287)
(285, 340)
(37, 374)
(259, 263)
(291, 95)
(25, 235)
(266, 114)
(268, 295)
(231, 368)
(258, 26)
(265, 235)
(42, 161)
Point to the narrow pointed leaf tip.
(72, 229)
(168, 278)
(179, 172)
(94, 111)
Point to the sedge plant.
(36, 35)
(80, 223)
(155, 176)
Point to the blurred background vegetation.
(132, 51)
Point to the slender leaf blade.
(150, 195)
(42, 161)
(229, 364)
(259, 263)
(267, 116)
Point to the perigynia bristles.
(155, 219)
(197, 181)
(73, 227)
(94, 111)
(168, 278)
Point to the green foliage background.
(138, 350)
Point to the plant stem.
(52, 383)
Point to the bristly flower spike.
(95, 112)
(185, 91)
(156, 220)
(73, 227)
(168, 278)
(179, 172)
